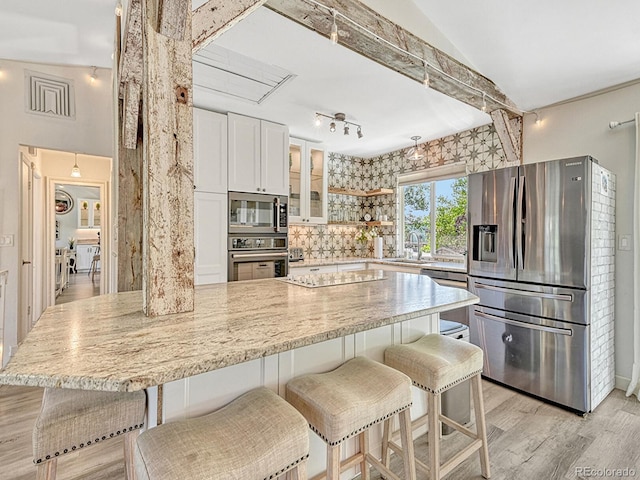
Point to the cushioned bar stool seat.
(436, 363)
(347, 402)
(257, 436)
(73, 419)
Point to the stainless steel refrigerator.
(538, 237)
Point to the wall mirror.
(63, 202)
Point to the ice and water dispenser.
(485, 243)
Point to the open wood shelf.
(361, 193)
(379, 224)
(358, 224)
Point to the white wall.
(91, 132)
(582, 127)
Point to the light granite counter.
(107, 343)
(431, 265)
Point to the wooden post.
(168, 251)
(510, 134)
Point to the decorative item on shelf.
(338, 117)
(365, 234)
(72, 243)
(414, 152)
(85, 205)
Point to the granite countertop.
(432, 265)
(107, 343)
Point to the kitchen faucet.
(418, 242)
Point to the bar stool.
(73, 419)
(435, 364)
(257, 436)
(347, 402)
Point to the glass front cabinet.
(89, 213)
(307, 182)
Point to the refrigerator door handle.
(520, 223)
(532, 326)
(549, 296)
(514, 235)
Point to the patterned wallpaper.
(479, 149)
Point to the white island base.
(202, 394)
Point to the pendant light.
(414, 152)
(75, 171)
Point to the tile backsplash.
(479, 149)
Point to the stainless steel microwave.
(258, 213)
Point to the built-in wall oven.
(256, 213)
(259, 256)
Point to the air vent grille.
(49, 95)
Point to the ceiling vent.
(224, 71)
(49, 95)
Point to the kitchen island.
(240, 335)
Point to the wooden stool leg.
(363, 439)
(129, 448)
(299, 472)
(47, 470)
(386, 438)
(333, 462)
(478, 407)
(407, 445)
(433, 410)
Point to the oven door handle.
(276, 214)
(532, 326)
(260, 255)
(549, 296)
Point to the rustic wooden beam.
(173, 16)
(213, 18)
(168, 248)
(130, 73)
(510, 135)
(458, 81)
(130, 216)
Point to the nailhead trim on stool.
(435, 364)
(348, 401)
(257, 436)
(73, 419)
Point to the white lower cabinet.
(210, 238)
(201, 394)
(84, 256)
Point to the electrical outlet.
(624, 242)
(6, 240)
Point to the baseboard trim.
(622, 383)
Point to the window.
(435, 216)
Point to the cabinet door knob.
(264, 189)
(258, 189)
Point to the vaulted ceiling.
(538, 53)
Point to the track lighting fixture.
(484, 102)
(414, 152)
(338, 117)
(75, 171)
(538, 121)
(94, 76)
(334, 28)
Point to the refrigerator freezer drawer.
(545, 358)
(556, 303)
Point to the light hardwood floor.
(528, 440)
(80, 286)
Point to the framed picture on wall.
(63, 202)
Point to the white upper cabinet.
(257, 155)
(89, 213)
(209, 151)
(308, 179)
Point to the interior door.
(554, 215)
(26, 251)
